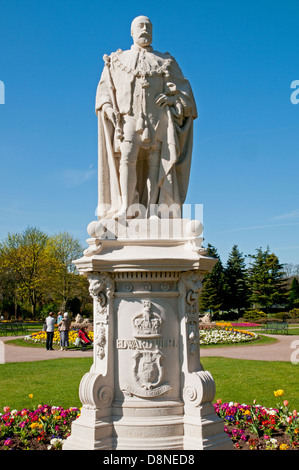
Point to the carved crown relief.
(147, 324)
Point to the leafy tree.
(212, 295)
(25, 260)
(236, 281)
(65, 282)
(37, 270)
(267, 280)
(8, 287)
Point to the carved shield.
(148, 371)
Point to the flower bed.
(41, 337)
(251, 427)
(246, 324)
(44, 428)
(237, 324)
(208, 335)
(254, 427)
(225, 336)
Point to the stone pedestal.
(146, 388)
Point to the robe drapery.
(130, 83)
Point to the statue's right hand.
(110, 114)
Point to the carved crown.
(147, 324)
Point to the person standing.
(50, 323)
(64, 327)
(59, 318)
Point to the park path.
(12, 353)
(281, 350)
(284, 349)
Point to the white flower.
(56, 441)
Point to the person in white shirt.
(50, 323)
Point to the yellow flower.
(278, 393)
(33, 425)
(283, 447)
(30, 395)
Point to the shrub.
(281, 316)
(254, 315)
(294, 313)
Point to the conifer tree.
(212, 295)
(294, 294)
(267, 280)
(236, 281)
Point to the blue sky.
(240, 58)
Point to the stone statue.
(146, 388)
(145, 110)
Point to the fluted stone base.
(146, 388)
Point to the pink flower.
(6, 409)
(8, 442)
(23, 412)
(289, 419)
(285, 402)
(294, 412)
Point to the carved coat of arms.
(148, 371)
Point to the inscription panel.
(147, 345)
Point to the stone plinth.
(146, 388)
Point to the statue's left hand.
(165, 100)
(110, 114)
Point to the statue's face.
(142, 32)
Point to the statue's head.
(142, 31)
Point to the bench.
(12, 329)
(275, 327)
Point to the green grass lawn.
(56, 382)
(243, 381)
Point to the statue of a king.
(145, 108)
